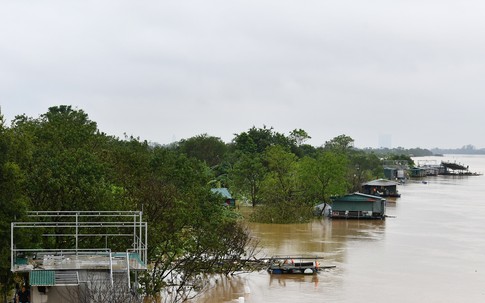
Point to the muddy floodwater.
(432, 249)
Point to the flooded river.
(431, 250)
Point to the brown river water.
(432, 249)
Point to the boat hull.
(294, 268)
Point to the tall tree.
(206, 148)
(65, 172)
(247, 175)
(192, 232)
(341, 143)
(299, 136)
(65, 163)
(282, 198)
(363, 167)
(13, 202)
(323, 176)
(257, 140)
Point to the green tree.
(282, 198)
(257, 140)
(298, 136)
(247, 175)
(60, 161)
(65, 172)
(341, 143)
(13, 202)
(192, 233)
(206, 148)
(323, 176)
(363, 167)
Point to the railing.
(81, 224)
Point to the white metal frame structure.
(78, 225)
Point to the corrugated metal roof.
(358, 197)
(224, 192)
(381, 182)
(67, 277)
(42, 278)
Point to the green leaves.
(323, 176)
(210, 150)
(247, 174)
(60, 161)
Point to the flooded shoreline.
(432, 242)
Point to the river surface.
(432, 249)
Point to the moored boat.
(294, 265)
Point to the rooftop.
(74, 228)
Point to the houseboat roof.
(380, 182)
(454, 166)
(358, 197)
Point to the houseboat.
(381, 187)
(358, 206)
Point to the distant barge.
(445, 168)
(456, 169)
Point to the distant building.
(385, 141)
(417, 172)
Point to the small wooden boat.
(294, 265)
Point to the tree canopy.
(61, 161)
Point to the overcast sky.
(410, 70)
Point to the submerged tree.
(323, 176)
(283, 200)
(247, 175)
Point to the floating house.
(358, 206)
(417, 172)
(224, 193)
(395, 169)
(381, 187)
(392, 173)
(80, 256)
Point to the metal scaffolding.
(79, 225)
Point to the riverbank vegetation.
(61, 161)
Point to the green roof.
(357, 197)
(42, 278)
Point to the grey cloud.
(163, 69)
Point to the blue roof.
(222, 191)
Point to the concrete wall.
(54, 294)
